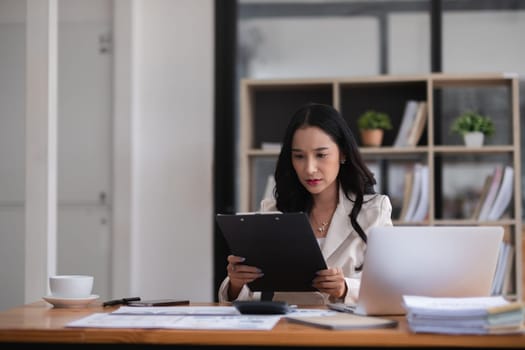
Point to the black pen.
(123, 301)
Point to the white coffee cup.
(71, 286)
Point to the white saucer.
(71, 303)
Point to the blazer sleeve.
(244, 294)
(378, 214)
(385, 213)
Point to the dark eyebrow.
(315, 150)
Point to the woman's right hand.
(239, 275)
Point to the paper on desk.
(224, 322)
(206, 310)
(176, 310)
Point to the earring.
(343, 161)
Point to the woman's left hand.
(331, 281)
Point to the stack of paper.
(475, 315)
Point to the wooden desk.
(39, 323)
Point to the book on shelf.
(415, 194)
(503, 275)
(482, 197)
(341, 320)
(271, 146)
(503, 196)
(270, 185)
(498, 273)
(407, 192)
(463, 315)
(409, 114)
(420, 120)
(508, 280)
(497, 174)
(421, 210)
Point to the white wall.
(172, 141)
(85, 115)
(12, 168)
(484, 42)
(309, 47)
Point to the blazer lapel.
(340, 227)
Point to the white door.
(84, 141)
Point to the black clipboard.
(282, 245)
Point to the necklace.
(321, 227)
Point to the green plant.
(374, 120)
(471, 121)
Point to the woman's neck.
(327, 200)
(323, 209)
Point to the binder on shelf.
(491, 195)
(500, 267)
(415, 195)
(422, 203)
(271, 146)
(270, 184)
(504, 195)
(418, 125)
(407, 120)
(407, 192)
(508, 280)
(503, 269)
(482, 196)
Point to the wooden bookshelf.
(267, 105)
(522, 262)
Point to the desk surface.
(39, 322)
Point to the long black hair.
(354, 176)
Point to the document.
(177, 310)
(224, 322)
(187, 317)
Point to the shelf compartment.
(273, 106)
(262, 168)
(388, 97)
(461, 196)
(492, 100)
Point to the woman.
(321, 172)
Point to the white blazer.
(342, 248)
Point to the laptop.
(282, 245)
(435, 261)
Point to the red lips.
(313, 182)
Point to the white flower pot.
(473, 139)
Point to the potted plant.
(372, 125)
(473, 126)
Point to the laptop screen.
(436, 261)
